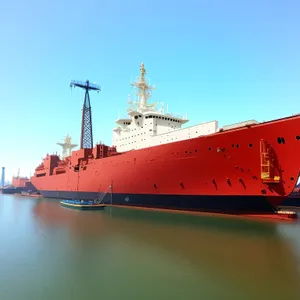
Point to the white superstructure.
(147, 125)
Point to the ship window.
(41, 175)
(250, 145)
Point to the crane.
(86, 140)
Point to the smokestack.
(2, 177)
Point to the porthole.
(280, 140)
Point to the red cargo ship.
(18, 185)
(242, 168)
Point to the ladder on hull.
(268, 164)
(100, 199)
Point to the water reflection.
(80, 224)
(98, 223)
(135, 254)
(250, 253)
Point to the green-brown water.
(51, 252)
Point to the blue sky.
(214, 60)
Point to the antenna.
(143, 88)
(86, 140)
(67, 146)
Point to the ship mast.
(67, 146)
(143, 89)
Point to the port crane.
(86, 140)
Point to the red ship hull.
(220, 172)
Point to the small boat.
(83, 204)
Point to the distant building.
(2, 182)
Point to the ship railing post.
(111, 195)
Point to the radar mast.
(143, 90)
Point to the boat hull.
(219, 172)
(218, 204)
(8, 191)
(81, 205)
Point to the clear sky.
(225, 60)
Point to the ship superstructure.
(148, 125)
(19, 181)
(154, 162)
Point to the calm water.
(51, 252)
